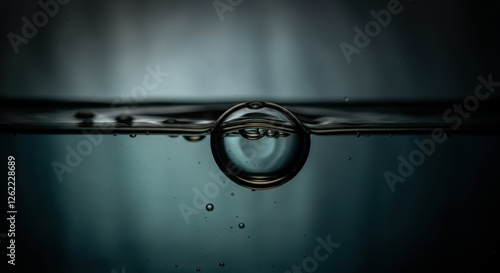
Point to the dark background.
(119, 208)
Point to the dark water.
(371, 173)
(139, 205)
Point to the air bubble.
(251, 134)
(133, 135)
(241, 225)
(209, 207)
(169, 121)
(194, 139)
(255, 105)
(126, 119)
(254, 161)
(198, 269)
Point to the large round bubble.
(259, 145)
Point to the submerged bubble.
(194, 138)
(348, 158)
(133, 135)
(209, 207)
(198, 269)
(259, 145)
(241, 225)
(251, 133)
(221, 264)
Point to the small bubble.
(255, 105)
(133, 135)
(346, 98)
(390, 135)
(176, 265)
(358, 134)
(248, 236)
(147, 132)
(169, 121)
(232, 194)
(127, 119)
(221, 264)
(282, 134)
(198, 269)
(194, 138)
(241, 225)
(209, 207)
(348, 158)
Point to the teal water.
(140, 204)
